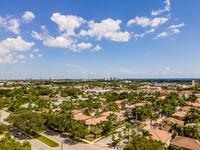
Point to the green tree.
(3, 128)
(128, 127)
(7, 143)
(146, 133)
(192, 98)
(113, 138)
(175, 129)
(113, 118)
(96, 131)
(79, 130)
(139, 142)
(27, 121)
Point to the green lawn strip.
(90, 139)
(46, 140)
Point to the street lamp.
(62, 144)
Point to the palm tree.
(124, 131)
(112, 117)
(146, 133)
(153, 117)
(193, 98)
(192, 132)
(176, 129)
(123, 104)
(128, 127)
(138, 125)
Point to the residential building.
(185, 94)
(165, 126)
(160, 135)
(180, 114)
(94, 121)
(186, 108)
(196, 105)
(186, 143)
(130, 107)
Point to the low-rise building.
(185, 94)
(119, 103)
(130, 107)
(160, 135)
(81, 117)
(120, 116)
(164, 125)
(180, 114)
(186, 108)
(196, 105)
(186, 143)
(94, 121)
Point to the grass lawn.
(90, 139)
(47, 141)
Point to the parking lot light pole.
(62, 144)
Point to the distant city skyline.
(90, 39)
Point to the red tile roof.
(173, 120)
(185, 142)
(162, 97)
(110, 112)
(160, 135)
(96, 120)
(134, 105)
(180, 114)
(81, 117)
(186, 108)
(120, 101)
(195, 104)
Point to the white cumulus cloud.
(20, 56)
(159, 11)
(108, 28)
(31, 56)
(144, 21)
(58, 41)
(28, 16)
(143, 34)
(10, 47)
(97, 48)
(67, 22)
(12, 44)
(175, 28)
(163, 34)
(84, 45)
(36, 50)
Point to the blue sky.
(99, 38)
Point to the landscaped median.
(106, 135)
(117, 141)
(46, 140)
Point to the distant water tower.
(193, 83)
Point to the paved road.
(69, 144)
(108, 140)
